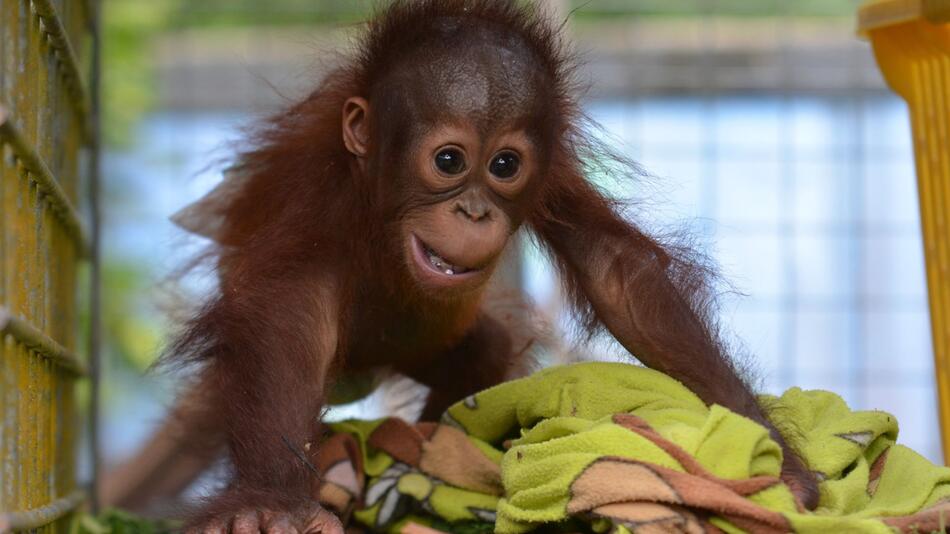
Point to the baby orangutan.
(362, 228)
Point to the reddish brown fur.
(308, 268)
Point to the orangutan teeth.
(441, 264)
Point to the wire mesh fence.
(46, 136)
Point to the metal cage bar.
(44, 515)
(44, 177)
(48, 129)
(65, 53)
(34, 339)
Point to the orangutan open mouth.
(436, 262)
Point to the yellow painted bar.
(44, 131)
(911, 40)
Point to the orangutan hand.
(309, 519)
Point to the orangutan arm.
(656, 303)
(267, 349)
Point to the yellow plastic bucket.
(911, 41)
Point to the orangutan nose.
(474, 210)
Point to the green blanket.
(614, 447)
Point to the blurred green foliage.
(217, 13)
(131, 26)
(132, 338)
(600, 9)
(128, 31)
(296, 12)
(119, 522)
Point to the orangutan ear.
(356, 125)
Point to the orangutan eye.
(504, 165)
(450, 161)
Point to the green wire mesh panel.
(45, 141)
